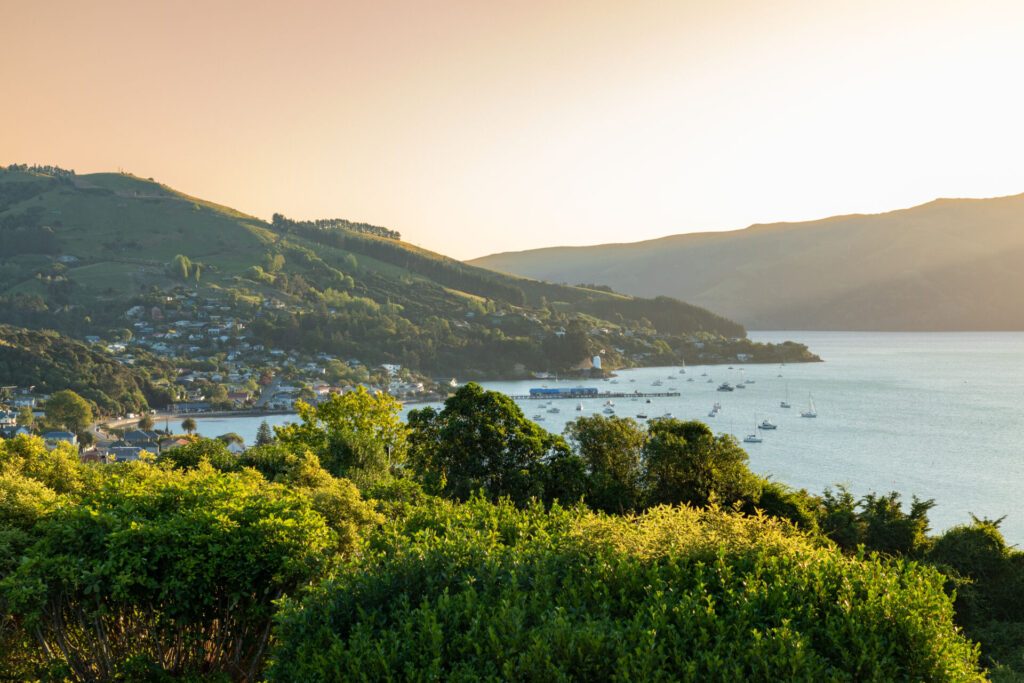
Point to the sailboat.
(753, 437)
(785, 404)
(811, 411)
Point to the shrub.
(176, 570)
(488, 592)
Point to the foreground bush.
(159, 569)
(477, 592)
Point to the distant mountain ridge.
(949, 264)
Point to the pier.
(591, 397)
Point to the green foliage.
(989, 580)
(876, 521)
(68, 410)
(189, 425)
(264, 435)
(181, 267)
(358, 435)
(212, 451)
(687, 463)
(481, 441)
(612, 449)
(53, 362)
(488, 592)
(177, 569)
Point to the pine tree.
(264, 435)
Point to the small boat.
(725, 386)
(713, 413)
(811, 410)
(648, 400)
(785, 404)
(609, 403)
(710, 381)
(609, 411)
(667, 416)
(689, 379)
(741, 385)
(703, 374)
(656, 383)
(641, 416)
(554, 410)
(753, 437)
(767, 424)
(579, 406)
(537, 418)
(682, 371)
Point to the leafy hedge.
(487, 592)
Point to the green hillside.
(951, 264)
(51, 362)
(82, 250)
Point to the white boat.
(609, 403)
(554, 410)
(579, 406)
(609, 411)
(713, 413)
(785, 404)
(767, 424)
(811, 410)
(689, 379)
(741, 385)
(725, 386)
(753, 437)
(656, 383)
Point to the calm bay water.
(939, 415)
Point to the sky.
(476, 127)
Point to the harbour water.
(937, 415)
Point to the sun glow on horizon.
(474, 128)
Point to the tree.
(69, 410)
(25, 418)
(230, 438)
(481, 441)
(181, 266)
(612, 451)
(357, 435)
(167, 570)
(687, 463)
(146, 422)
(189, 425)
(264, 435)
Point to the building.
(54, 439)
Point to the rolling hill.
(81, 250)
(950, 264)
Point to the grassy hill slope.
(949, 264)
(84, 249)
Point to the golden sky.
(482, 126)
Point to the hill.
(87, 252)
(51, 362)
(950, 264)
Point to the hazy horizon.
(478, 129)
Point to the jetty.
(603, 394)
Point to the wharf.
(591, 397)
